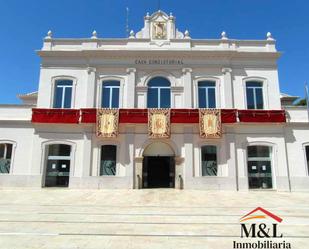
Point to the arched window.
(209, 160)
(159, 93)
(207, 94)
(110, 94)
(259, 167)
(58, 165)
(108, 160)
(254, 92)
(5, 157)
(63, 93)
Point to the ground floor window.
(209, 160)
(5, 157)
(108, 160)
(259, 167)
(58, 165)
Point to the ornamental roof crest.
(159, 27)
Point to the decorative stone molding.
(179, 160)
(131, 70)
(91, 70)
(139, 159)
(141, 88)
(186, 70)
(226, 70)
(177, 88)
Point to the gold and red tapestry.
(107, 122)
(159, 123)
(210, 123)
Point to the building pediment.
(159, 27)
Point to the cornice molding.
(133, 54)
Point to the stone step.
(140, 229)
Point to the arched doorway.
(58, 165)
(158, 166)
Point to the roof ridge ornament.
(187, 34)
(94, 35)
(132, 35)
(49, 35)
(269, 36)
(224, 36)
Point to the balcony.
(140, 116)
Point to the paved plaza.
(153, 218)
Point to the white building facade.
(50, 139)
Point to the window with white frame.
(159, 93)
(63, 93)
(5, 157)
(209, 160)
(254, 92)
(110, 94)
(108, 160)
(207, 94)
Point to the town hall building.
(158, 109)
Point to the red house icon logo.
(250, 215)
(260, 229)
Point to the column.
(90, 87)
(231, 158)
(228, 100)
(188, 155)
(187, 83)
(129, 154)
(86, 156)
(129, 97)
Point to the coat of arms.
(159, 30)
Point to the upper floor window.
(207, 94)
(108, 160)
(5, 157)
(209, 160)
(63, 94)
(159, 93)
(110, 94)
(254, 92)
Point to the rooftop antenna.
(159, 4)
(127, 21)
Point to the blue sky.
(23, 24)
